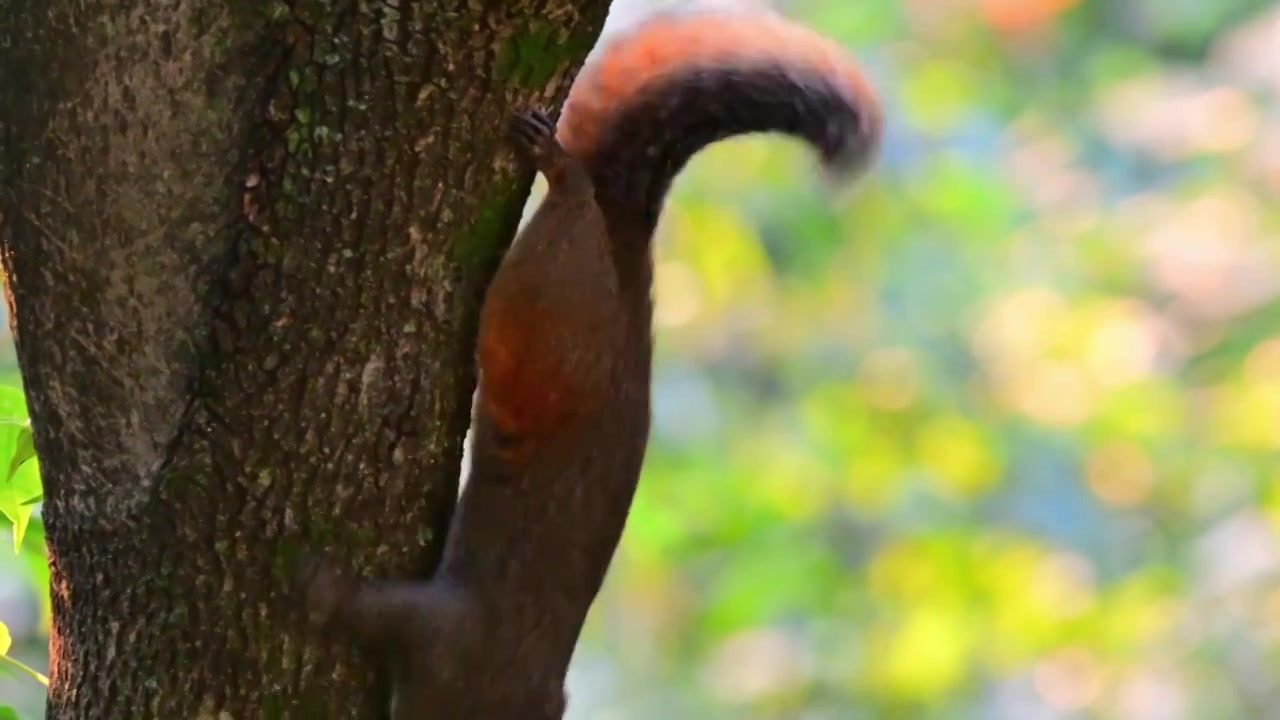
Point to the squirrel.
(561, 419)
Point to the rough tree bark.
(245, 244)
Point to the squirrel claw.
(534, 132)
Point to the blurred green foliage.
(995, 436)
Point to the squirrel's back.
(656, 94)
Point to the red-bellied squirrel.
(565, 348)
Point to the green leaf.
(20, 516)
(25, 482)
(24, 448)
(18, 496)
(20, 486)
(10, 430)
(8, 713)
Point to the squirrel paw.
(534, 133)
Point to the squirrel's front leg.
(382, 613)
(533, 133)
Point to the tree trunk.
(246, 243)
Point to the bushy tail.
(657, 94)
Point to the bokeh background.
(994, 436)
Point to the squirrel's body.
(565, 349)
